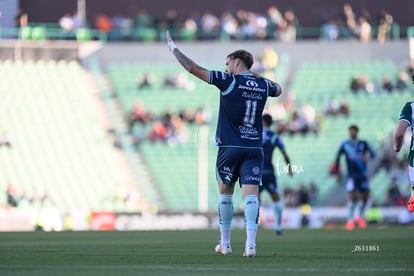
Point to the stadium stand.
(174, 167)
(60, 146)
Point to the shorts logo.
(256, 170)
(226, 171)
(252, 178)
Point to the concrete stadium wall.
(206, 53)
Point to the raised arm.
(186, 62)
(399, 135)
(257, 75)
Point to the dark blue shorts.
(243, 164)
(357, 184)
(269, 183)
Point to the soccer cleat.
(350, 225)
(279, 232)
(410, 204)
(249, 251)
(226, 250)
(361, 223)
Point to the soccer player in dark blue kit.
(271, 141)
(357, 153)
(243, 96)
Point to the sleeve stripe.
(230, 88)
(405, 120)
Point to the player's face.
(230, 65)
(353, 134)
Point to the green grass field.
(299, 252)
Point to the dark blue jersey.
(354, 152)
(271, 140)
(242, 100)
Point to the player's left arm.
(186, 62)
(287, 160)
(278, 142)
(272, 83)
(399, 135)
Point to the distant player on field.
(243, 96)
(357, 153)
(406, 120)
(272, 140)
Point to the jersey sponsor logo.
(249, 133)
(253, 96)
(251, 88)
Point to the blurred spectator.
(21, 19)
(66, 23)
(12, 196)
(77, 23)
(178, 132)
(361, 84)
(354, 86)
(246, 23)
(270, 58)
(385, 22)
(386, 84)
(287, 27)
(143, 19)
(365, 84)
(394, 197)
(116, 23)
(309, 117)
(348, 21)
(171, 20)
(190, 29)
(229, 26)
(410, 68)
(103, 23)
(402, 81)
(260, 25)
(210, 26)
(274, 18)
(335, 107)
(303, 195)
(330, 30)
(146, 81)
(202, 115)
(296, 124)
(364, 29)
(187, 115)
(158, 132)
(5, 139)
(179, 80)
(138, 115)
